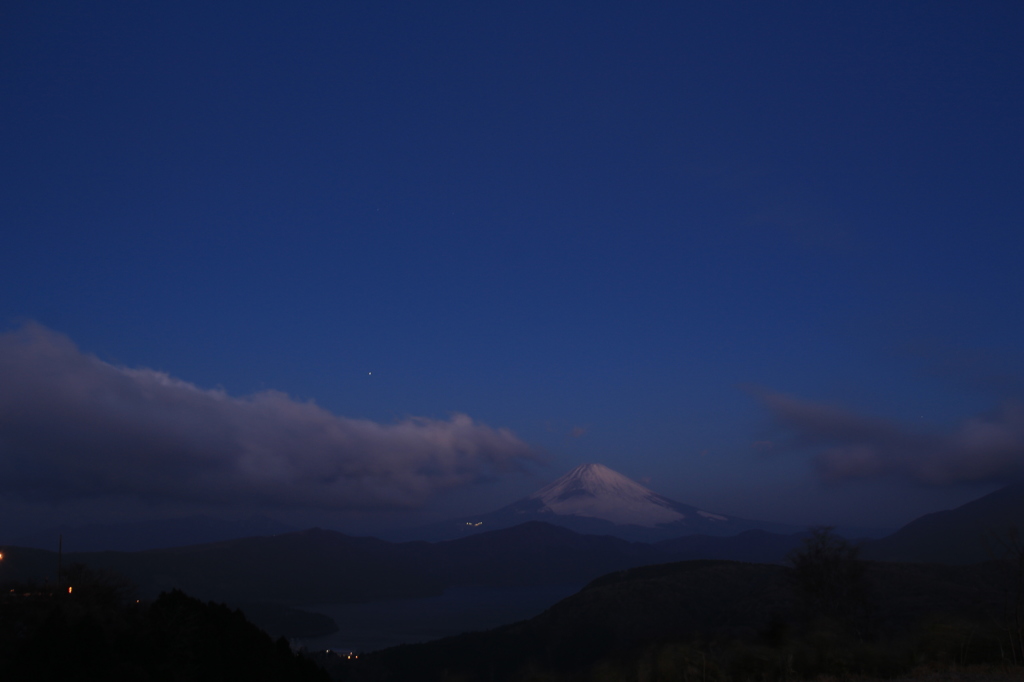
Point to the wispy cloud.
(73, 427)
(848, 445)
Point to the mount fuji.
(596, 500)
(595, 491)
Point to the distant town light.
(69, 589)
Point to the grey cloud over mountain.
(847, 445)
(75, 427)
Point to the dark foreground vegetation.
(827, 615)
(98, 632)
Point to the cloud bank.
(987, 448)
(74, 427)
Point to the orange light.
(69, 589)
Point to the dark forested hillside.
(723, 620)
(97, 632)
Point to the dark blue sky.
(765, 255)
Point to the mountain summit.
(596, 500)
(595, 491)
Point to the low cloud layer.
(75, 427)
(847, 445)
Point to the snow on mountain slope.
(594, 500)
(596, 491)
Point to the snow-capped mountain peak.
(596, 491)
(592, 499)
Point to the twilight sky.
(361, 264)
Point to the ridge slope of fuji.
(595, 491)
(594, 499)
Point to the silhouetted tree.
(830, 576)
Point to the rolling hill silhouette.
(321, 566)
(971, 533)
(694, 618)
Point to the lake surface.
(378, 625)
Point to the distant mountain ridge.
(974, 532)
(321, 567)
(136, 536)
(595, 500)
